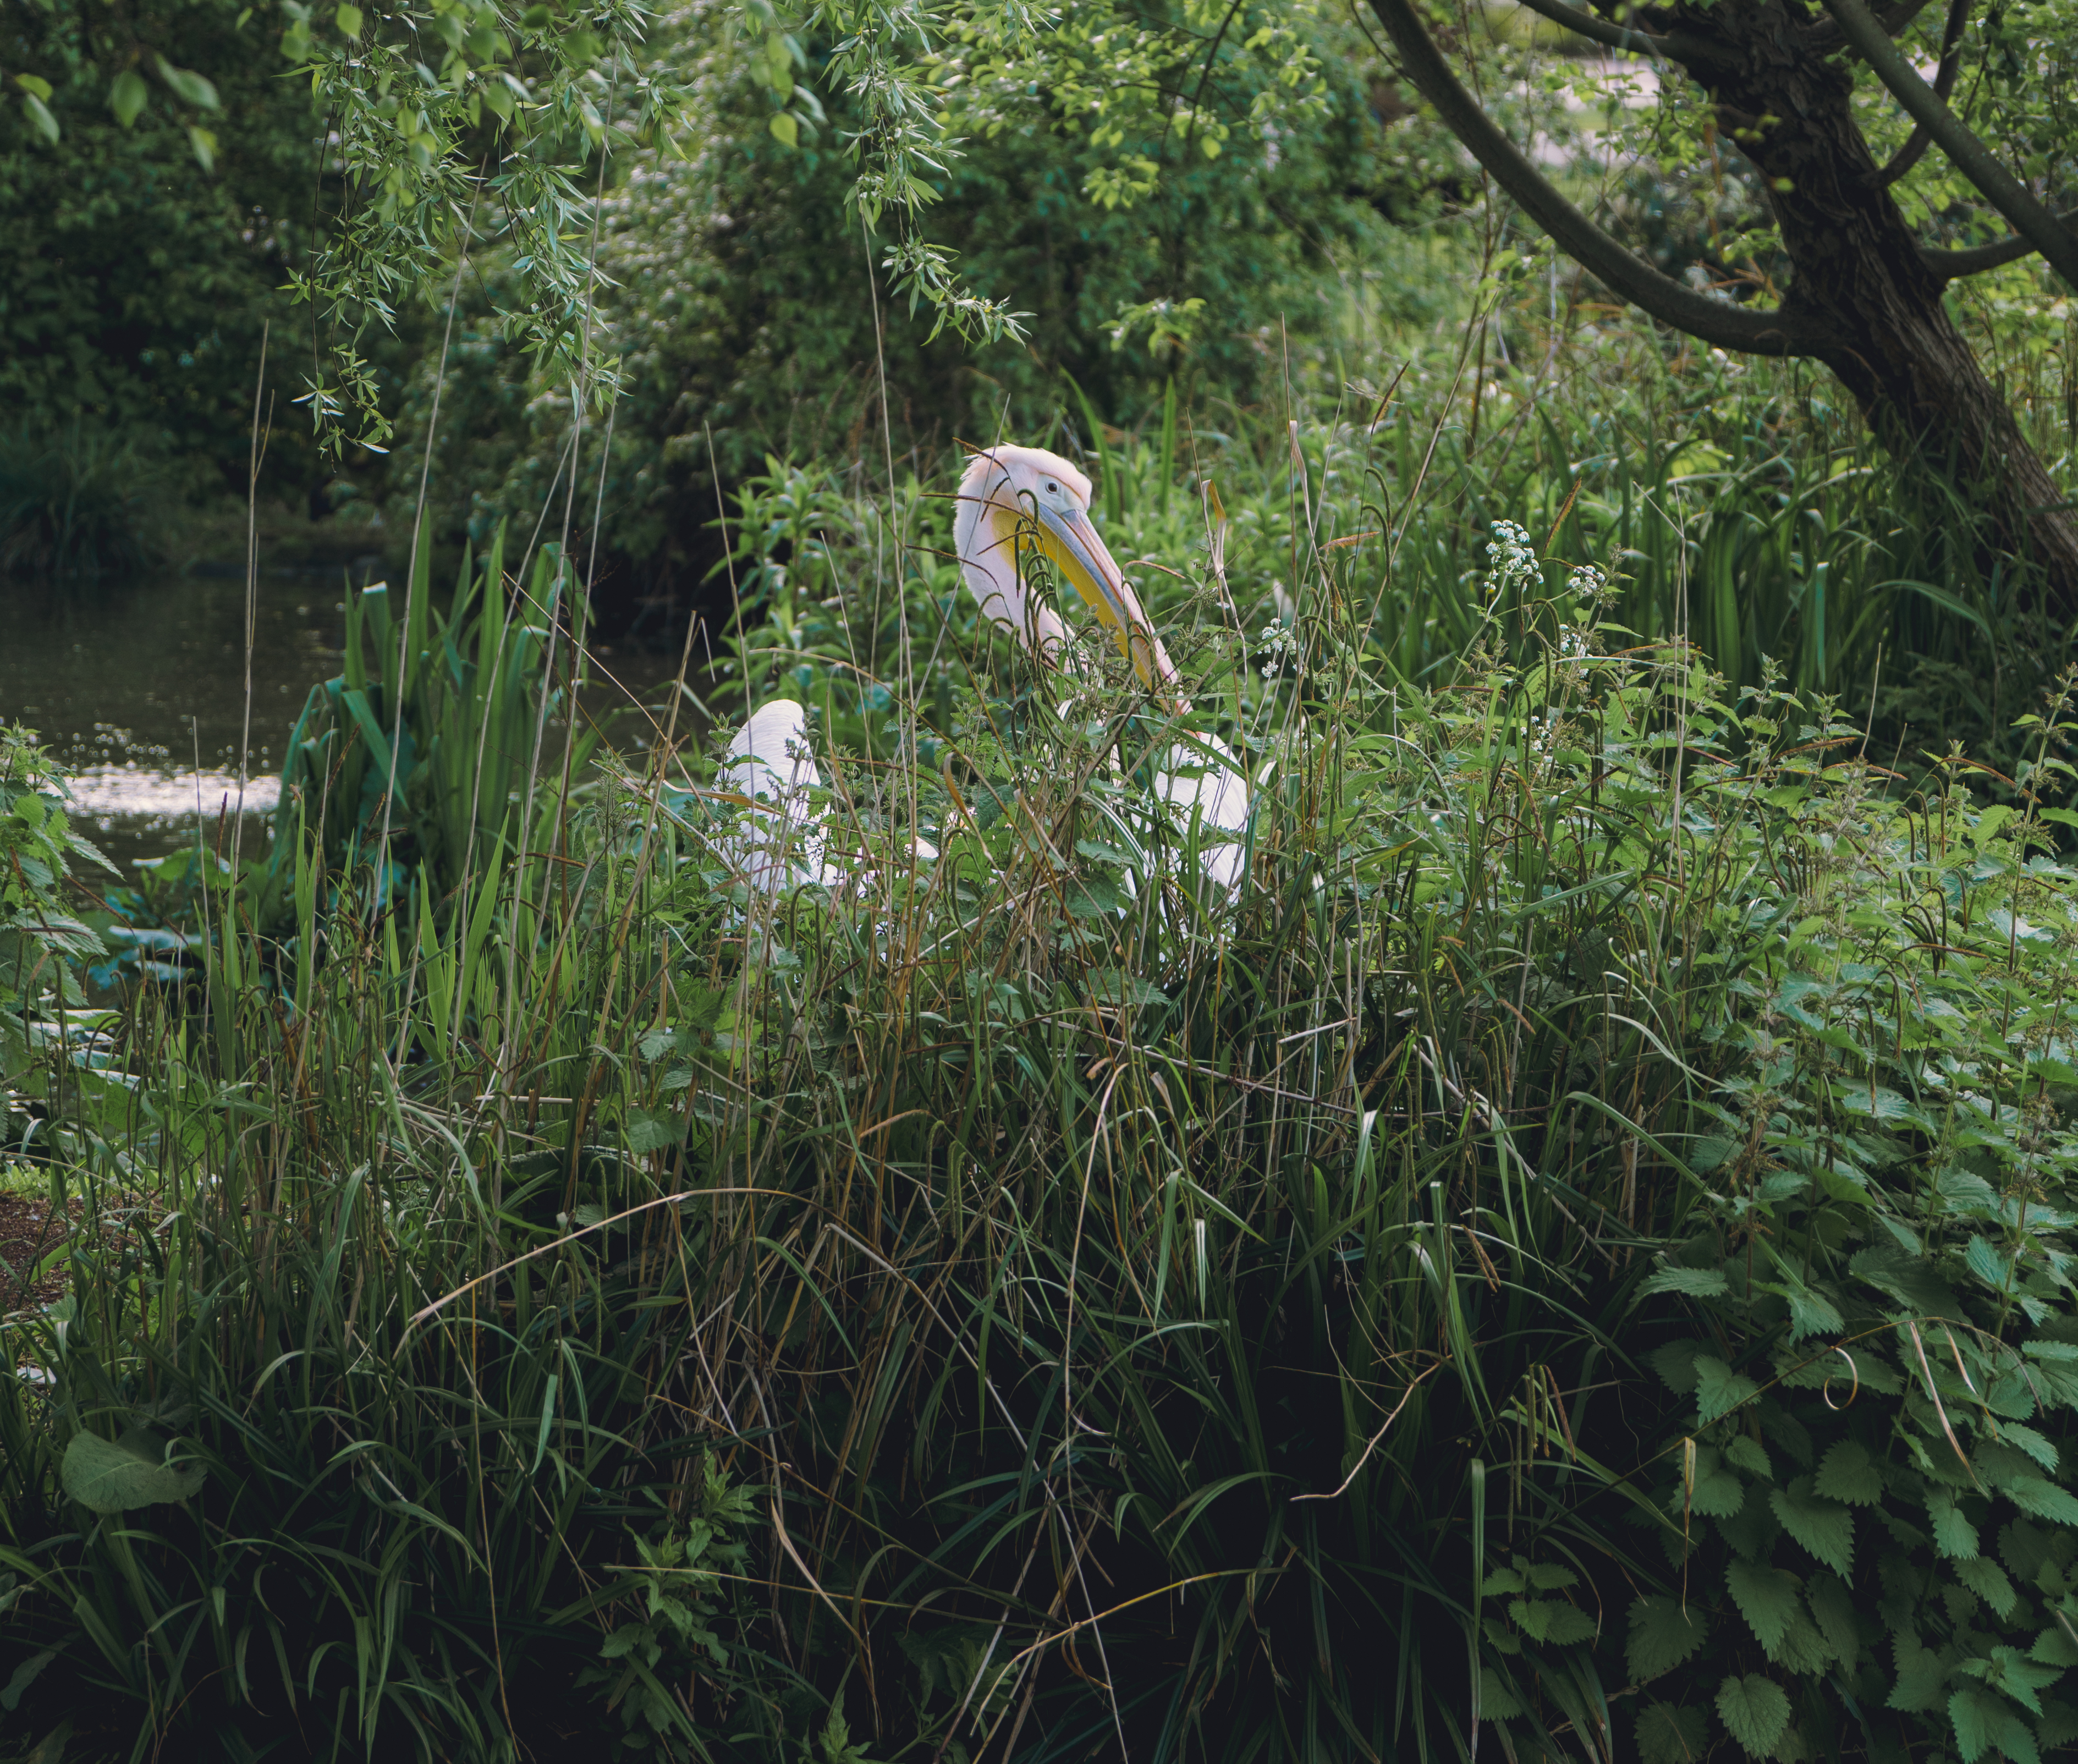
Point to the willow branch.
(1681, 46)
(1672, 302)
(1944, 82)
(1975, 162)
(1952, 266)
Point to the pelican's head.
(1025, 498)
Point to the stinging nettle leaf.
(1848, 1473)
(1719, 1390)
(1662, 1635)
(1823, 1526)
(1954, 1536)
(1692, 1283)
(1766, 1599)
(1755, 1712)
(1668, 1735)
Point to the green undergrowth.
(1572, 1255)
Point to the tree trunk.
(1859, 277)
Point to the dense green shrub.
(735, 286)
(134, 282)
(1401, 1297)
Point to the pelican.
(1011, 501)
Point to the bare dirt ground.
(28, 1233)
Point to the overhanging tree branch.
(1944, 82)
(1826, 34)
(1660, 296)
(1975, 162)
(1665, 45)
(1951, 265)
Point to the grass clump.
(1575, 1246)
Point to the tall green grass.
(1028, 1304)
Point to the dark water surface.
(139, 687)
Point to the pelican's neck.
(985, 536)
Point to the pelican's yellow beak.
(1071, 543)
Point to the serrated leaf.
(1804, 1649)
(1766, 1599)
(1751, 1456)
(106, 1476)
(1847, 1473)
(1497, 1702)
(1719, 1390)
(1954, 1536)
(1691, 1282)
(1987, 1579)
(2032, 1443)
(1551, 1620)
(1983, 1721)
(648, 1131)
(1922, 1673)
(1755, 1712)
(1833, 1607)
(1718, 1495)
(1551, 1577)
(2044, 1499)
(1824, 1528)
(127, 94)
(1668, 1735)
(1662, 1635)
(1676, 1363)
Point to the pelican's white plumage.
(781, 843)
(1014, 501)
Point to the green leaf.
(1497, 1703)
(1718, 1495)
(1719, 1390)
(41, 118)
(1692, 1283)
(1987, 1579)
(1755, 1712)
(1751, 1456)
(127, 94)
(2044, 1499)
(1954, 1536)
(1662, 1635)
(105, 1476)
(648, 1131)
(1551, 1620)
(24, 1676)
(1833, 1606)
(1676, 1362)
(1921, 1674)
(1847, 1473)
(186, 85)
(1983, 1721)
(785, 130)
(203, 145)
(1668, 1735)
(36, 86)
(1823, 1526)
(1766, 1599)
(347, 19)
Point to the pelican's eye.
(1051, 488)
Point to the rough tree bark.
(1864, 298)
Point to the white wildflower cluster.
(1572, 644)
(1590, 585)
(1277, 641)
(1511, 560)
(1543, 732)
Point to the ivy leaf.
(1823, 1526)
(1755, 1712)
(1987, 1579)
(1668, 1735)
(1766, 1599)
(1719, 1390)
(1662, 1635)
(1983, 1721)
(1833, 1606)
(1954, 1536)
(1848, 1474)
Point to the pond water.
(139, 686)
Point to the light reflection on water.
(139, 687)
